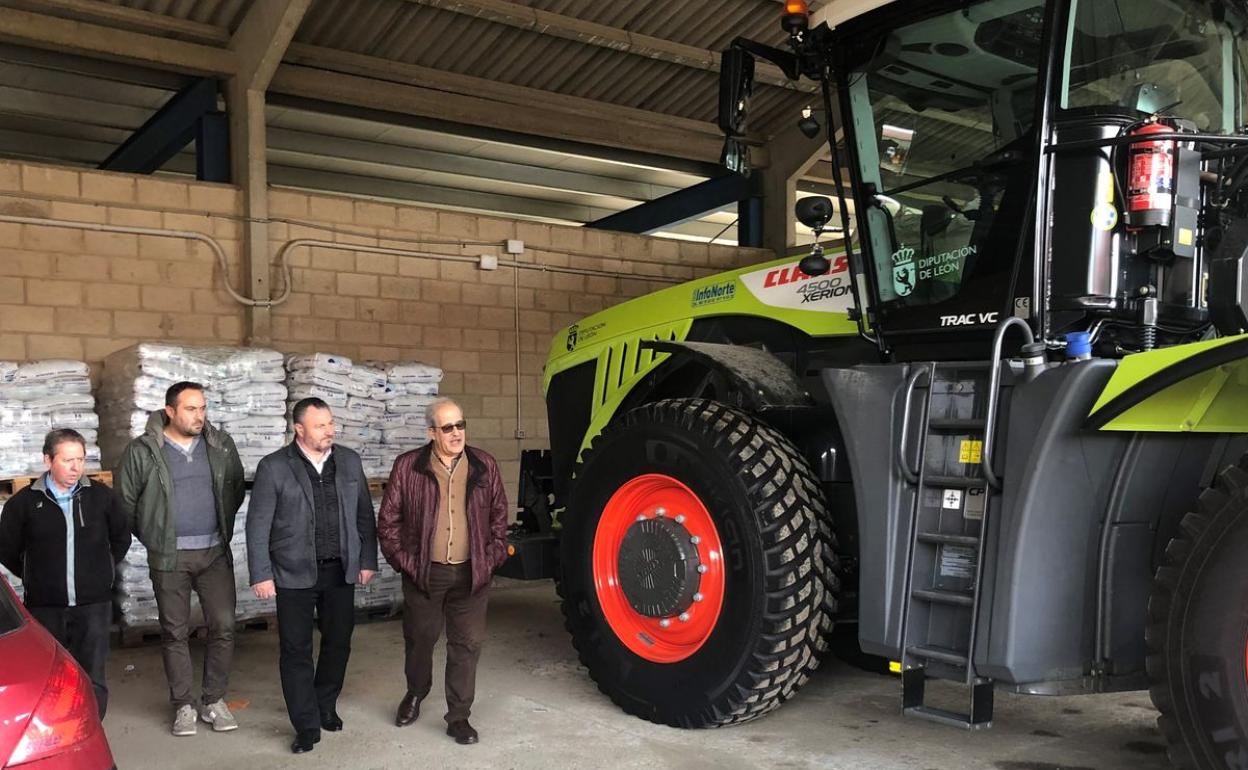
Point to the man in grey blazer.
(311, 536)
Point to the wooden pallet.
(11, 486)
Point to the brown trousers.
(452, 604)
(207, 572)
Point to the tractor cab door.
(944, 145)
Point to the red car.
(48, 716)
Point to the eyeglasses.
(453, 426)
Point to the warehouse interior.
(450, 182)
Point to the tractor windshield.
(1183, 59)
(943, 112)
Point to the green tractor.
(1001, 439)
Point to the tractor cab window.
(943, 113)
(1181, 58)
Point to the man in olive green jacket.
(181, 484)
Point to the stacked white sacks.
(379, 407)
(36, 397)
(404, 426)
(244, 388)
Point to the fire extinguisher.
(1151, 169)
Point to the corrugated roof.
(655, 56)
(413, 32)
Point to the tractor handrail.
(994, 387)
(910, 474)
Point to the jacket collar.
(41, 484)
(476, 467)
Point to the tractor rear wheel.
(695, 581)
(1198, 631)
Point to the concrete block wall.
(82, 294)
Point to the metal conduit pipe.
(419, 254)
(189, 235)
(283, 258)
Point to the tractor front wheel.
(1198, 631)
(695, 581)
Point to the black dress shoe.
(462, 732)
(305, 741)
(409, 710)
(331, 722)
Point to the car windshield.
(11, 617)
(948, 104)
(1183, 59)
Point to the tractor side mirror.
(814, 211)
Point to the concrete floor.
(536, 708)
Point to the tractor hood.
(776, 290)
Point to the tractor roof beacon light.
(796, 17)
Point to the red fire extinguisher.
(1151, 168)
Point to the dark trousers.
(83, 630)
(452, 604)
(312, 691)
(206, 571)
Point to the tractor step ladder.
(953, 498)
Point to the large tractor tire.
(1198, 631)
(697, 575)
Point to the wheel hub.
(658, 566)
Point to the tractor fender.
(761, 380)
(1201, 387)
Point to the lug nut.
(660, 511)
(684, 617)
(641, 517)
(664, 623)
(695, 540)
(702, 569)
(698, 597)
(680, 518)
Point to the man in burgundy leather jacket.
(443, 526)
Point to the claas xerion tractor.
(997, 436)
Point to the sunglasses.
(453, 426)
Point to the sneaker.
(184, 721)
(218, 715)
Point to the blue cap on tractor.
(1078, 345)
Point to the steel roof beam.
(166, 132)
(680, 206)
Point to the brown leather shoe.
(409, 710)
(462, 732)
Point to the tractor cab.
(1007, 159)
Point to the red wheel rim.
(650, 638)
